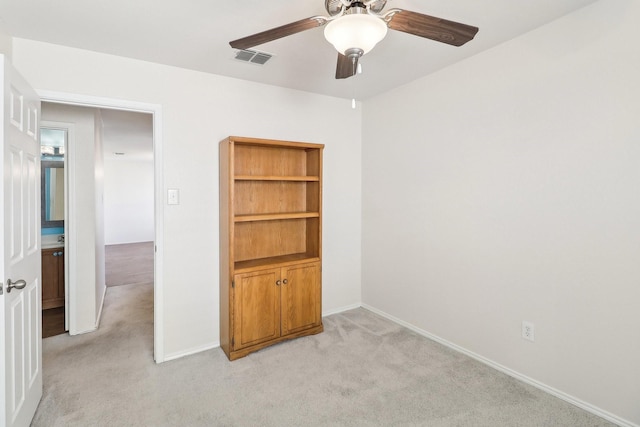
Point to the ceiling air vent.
(253, 56)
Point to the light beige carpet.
(362, 371)
(129, 263)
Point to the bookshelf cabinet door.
(301, 297)
(256, 303)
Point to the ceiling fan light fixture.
(355, 31)
(354, 27)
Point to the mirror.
(52, 188)
(52, 144)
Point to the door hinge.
(233, 342)
(233, 283)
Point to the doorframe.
(156, 111)
(69, 215)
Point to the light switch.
(173, 196)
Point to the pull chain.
(357, 70)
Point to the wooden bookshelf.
(270, 242)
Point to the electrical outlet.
(528, 331)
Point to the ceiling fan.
(354, 27)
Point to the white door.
(20, 299)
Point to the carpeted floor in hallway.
(129, 263)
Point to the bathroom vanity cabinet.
(52, 278)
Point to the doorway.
(76, 296)
(54, 137)
(128, 198)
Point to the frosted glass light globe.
(359, 31)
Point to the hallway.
(126, 264)
(80, 371)
(130, 263)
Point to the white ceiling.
(194, 34)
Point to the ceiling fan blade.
(433, 28)
(277, 33)
(346, 67)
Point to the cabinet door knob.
(55, 254)
(285, 281)
(278, 282)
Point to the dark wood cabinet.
(52, 278)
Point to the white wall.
(87, 288)
(128, 200)
(506, 188)
(6, 42)
(199, 110)
(499, 190)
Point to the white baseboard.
(216, 344)
(191, 351)
(99, 317)
(341, 309)
(554, 392)
(129, 243)
(86, 331)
